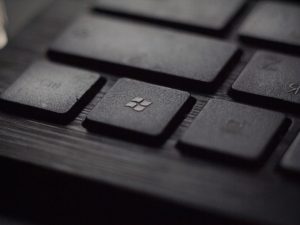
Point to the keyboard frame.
(71, 155)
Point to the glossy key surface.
(210, 14)
(232, 130)
(135, 107)
(271, 75)
(48, 88)
(275, 22)
(169, 53)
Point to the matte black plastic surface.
(233, 129)
(210, 14)
(271, 75)
(50, 88)
(146, 47)
(65, 174)
(276, 22)
(138, 107)
(291, 160)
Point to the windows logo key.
(138, 104)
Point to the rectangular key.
(209, 14)
(271, 75)
(171, 54)
(51, 91)
(138, 110)
(291, 160)
(274, 22)
(232, 130)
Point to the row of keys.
(144, 111)
(269, 21)
(171, 56)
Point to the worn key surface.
(291, 160)
(209, 14)
(170, 53)
(271, 75)
(274, 22)
(51, 91)
(233, 130)
(132, 108)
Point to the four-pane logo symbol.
(138, 104)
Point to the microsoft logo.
(138, 104)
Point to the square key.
(271, 75)
(134, 108)
(51, 91)
(274, 22)
(232, 130)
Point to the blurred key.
(51, 91)
(274, 22)
(232, 130)
(171, 54)
(21, 12)
(291, 160)
(3, 23)
(209, 14)
(271, 75)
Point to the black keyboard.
(192, 104)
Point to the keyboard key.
(171, 54)
(274, 22)
(51, 91)
(210, 14)
(132, 108)
(232, 130)
(271, 75)
(291, 160)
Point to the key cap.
(271, 75)
(171, 54)
(291, 160)
(210, 14)
(274, 22)
(232, 130)
(51, 91)
(134, 109)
